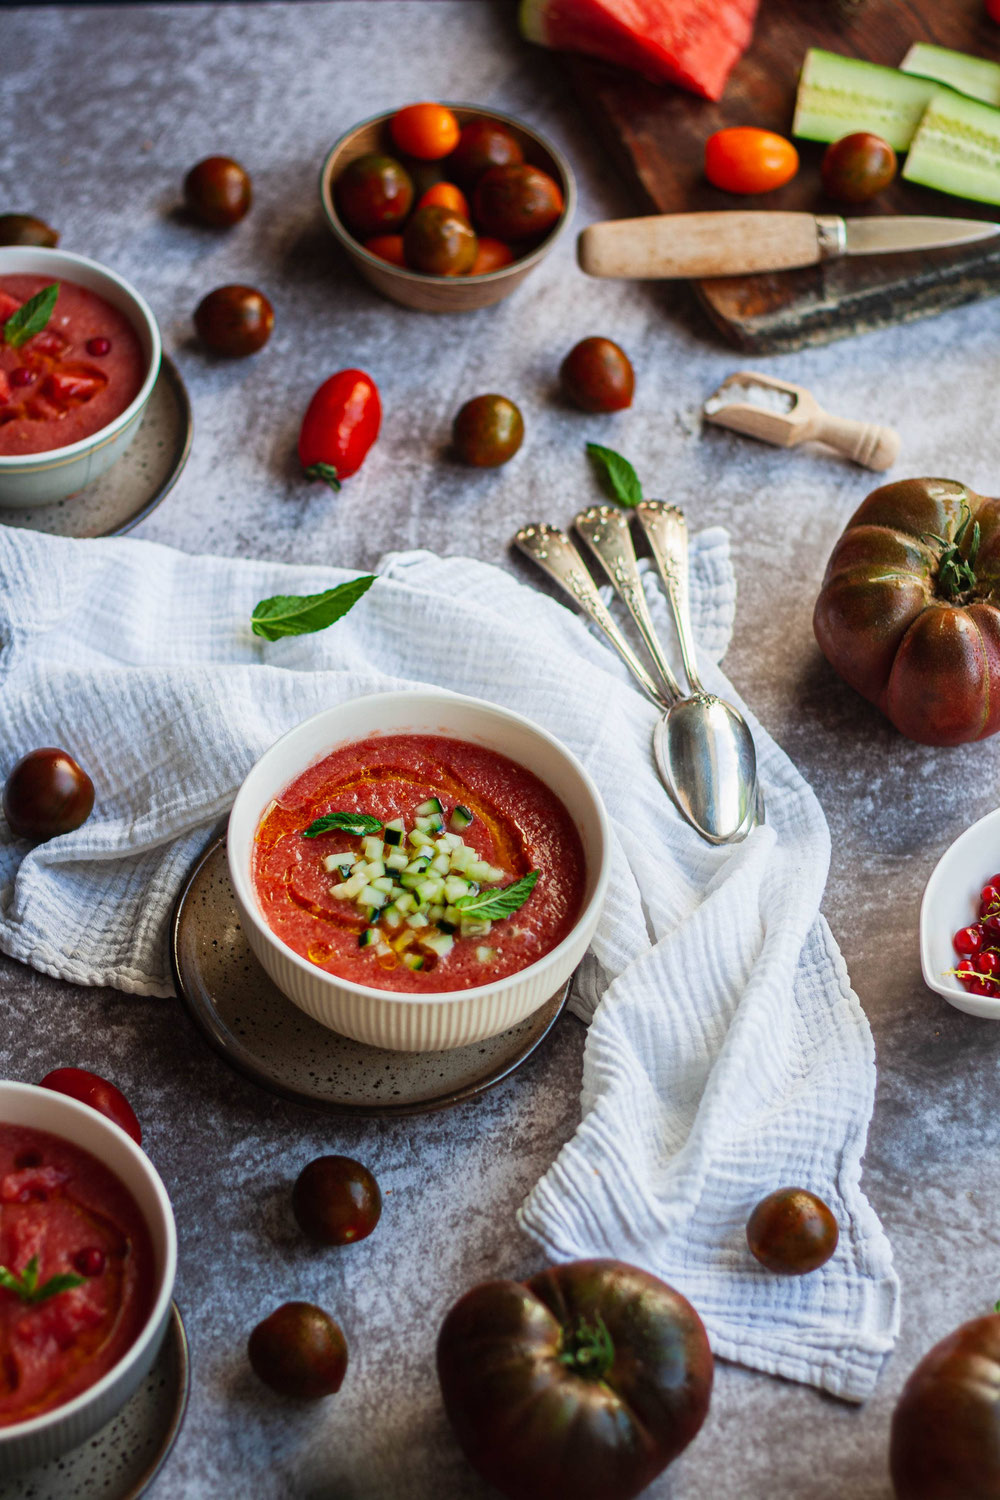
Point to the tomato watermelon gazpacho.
(76, 1271)
(418, 863)
(64, 375)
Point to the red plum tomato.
(90, 1088)
(374, 194)
(217, 191)
(945, 1436)
(744, 159)
(792, 1232)
(517, 202)
(47, 794)
(857, 167)
(439, 242)
(336, 1200)
(596, 375)
(482, 145)
(487, 431)
(426, 131)
(299, 1351)
(586, 1381)
(340, 425)
(234, 320)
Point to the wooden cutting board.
(658, 136)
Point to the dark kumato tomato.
(516, 202)
(596, 375)
(374, 194)
(857, 167)
(945, 1441)
(234, 320)
(25, 229)
(482, 145)
(584, 1382)
(217, 191)
(299, 1351)
(336, 1200)
(440, 242)
(47, 794)
(792, 1232)
(487, 431)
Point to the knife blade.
(740, 243)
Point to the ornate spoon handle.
(555, 554)
(667, 533)
(606, 531)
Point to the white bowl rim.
(443, 696)
(165, 1290)
(426, 278)
(985, 1006)
(51, 457)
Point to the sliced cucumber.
(414, 960)
(421, 840)
(957, 148)
(341, 862)
(371, 847)
(432, 805)
(441, 864)
(417, 920)
(460, 818)
(486, 955)
(396, 860)
(840, 95)
(440, 943)
(975, 76)
(369, 938)
(394, 833)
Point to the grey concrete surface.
(112, 105)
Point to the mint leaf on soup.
(494, 905)
(31, 317)
(24, 1284)
(301, 614)
(620, 479)
(345, 822)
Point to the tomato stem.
(588, 1350)
(326, 472)
(956, 574)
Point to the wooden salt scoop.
(804, 421)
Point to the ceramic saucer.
(268, 1038)
(121, 1460)
(145, 473)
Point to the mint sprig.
(31, 317)
(620, 479)
(301, 614)
(345, 822)
(25, 1284)
(494, 905)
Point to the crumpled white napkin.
(727, 1053)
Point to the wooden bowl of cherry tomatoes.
(446, 207)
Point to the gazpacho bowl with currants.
(960, 921)
(456, 230)
(77, 369)
(88, 1251)
(419, 870)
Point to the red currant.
(966, 974)
(988, 962)
(98, 347)
(89, 1262)
(968, 940)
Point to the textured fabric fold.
(727, 1054)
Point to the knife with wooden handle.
(740, 243)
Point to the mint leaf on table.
(301, 614)
(24, 1284)
(494, 905)
(31, 317)
(345, 822)
(620, 479)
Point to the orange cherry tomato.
(491, 255)
(427, 131)
(387, 247)
(445, 195)
(748, 160)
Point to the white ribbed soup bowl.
(41, 478)
(40, 1439)
(449, 1018)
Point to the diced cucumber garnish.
(441, 864)
(342, 862)
(432, 805)
(421, 840)
(372, 847)
(486, 955)
(460, 818)
(430, 888)
(394, 833)
(417, 920)
(396, 860)
(441, 944)
(392, 917)
(414, 960)
(372, 896)
(368, 938)
(383, 883)
(474, 927)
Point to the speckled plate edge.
(177, 1330)
(244, 1062)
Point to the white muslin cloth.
(727, 1054)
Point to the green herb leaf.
(620, 479)
(346, 822)
(494, 905)
(301, 614)
(25, 1285)
(31, 317)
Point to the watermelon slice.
(693, 43)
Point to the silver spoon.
(704, 746)
(556, 555)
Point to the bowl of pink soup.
(73, 393)
(85, 1217)
(418, 870)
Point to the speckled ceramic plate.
(263, 1034)
(121, 1461)
(145, 473)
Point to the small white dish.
(951, 901)
(448, 1018)
(24, 1445)
(41, 478)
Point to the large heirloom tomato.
(945, 1441)
(909, 612)
(580, 1384)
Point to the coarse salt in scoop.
(778, 412)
